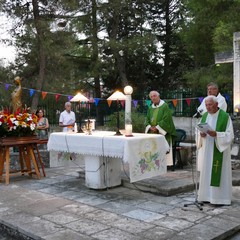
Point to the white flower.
(32, 126)
(16, 123)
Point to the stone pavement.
(61, 207)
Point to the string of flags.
(96, 100)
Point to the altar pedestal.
(102, 172)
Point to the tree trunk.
(97, 89)
(167, 46)
(41, 54)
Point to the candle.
(128, 130)
(93, 124)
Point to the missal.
(204, 127)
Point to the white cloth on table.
(146, 157)
(149, 149)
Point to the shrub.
(138, 121)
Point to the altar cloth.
(145, 153)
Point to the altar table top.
(101, 143)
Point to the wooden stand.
(26, 146)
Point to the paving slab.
(60, 206)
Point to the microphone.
(198, 114)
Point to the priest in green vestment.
(159, 121)
(214, 155)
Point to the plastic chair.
(181, 136)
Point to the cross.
(233, 57)
(216, 165)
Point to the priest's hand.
(153, 130)
(212, 133)
(202, 134)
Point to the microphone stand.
(195, 181)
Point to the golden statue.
(17, 95)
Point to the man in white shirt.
(212, 89)
(67, 118)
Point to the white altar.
(104, 153)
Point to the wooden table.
(26, 146)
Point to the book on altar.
(204, 127)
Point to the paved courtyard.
(61, 207)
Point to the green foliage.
(165, 44)
(138, 121)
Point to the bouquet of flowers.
(18, 124)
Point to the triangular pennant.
(188, 100)
(96, 100)
(44, 94)
(57, 96)
(122, 103)
(135, 102)
(7, 86)
(148, 102)
(174, 101)
(200, 99)
(109, 102)
(70, 97)
(31, 92)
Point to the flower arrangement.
(18, 124)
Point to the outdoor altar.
(104, 154)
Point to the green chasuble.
(217, 156)
(162, 116)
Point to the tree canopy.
(97, 46)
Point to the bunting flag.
(200, 99)
(109, 102)
(188, 100)
(96, 100)
(135, 103)
(174, 101)
(148, 102)
(31, 92)
(57, 96)
(7, 86)
(44, 94)
(70, 97)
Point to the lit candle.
(93, 124)
(128, 130)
